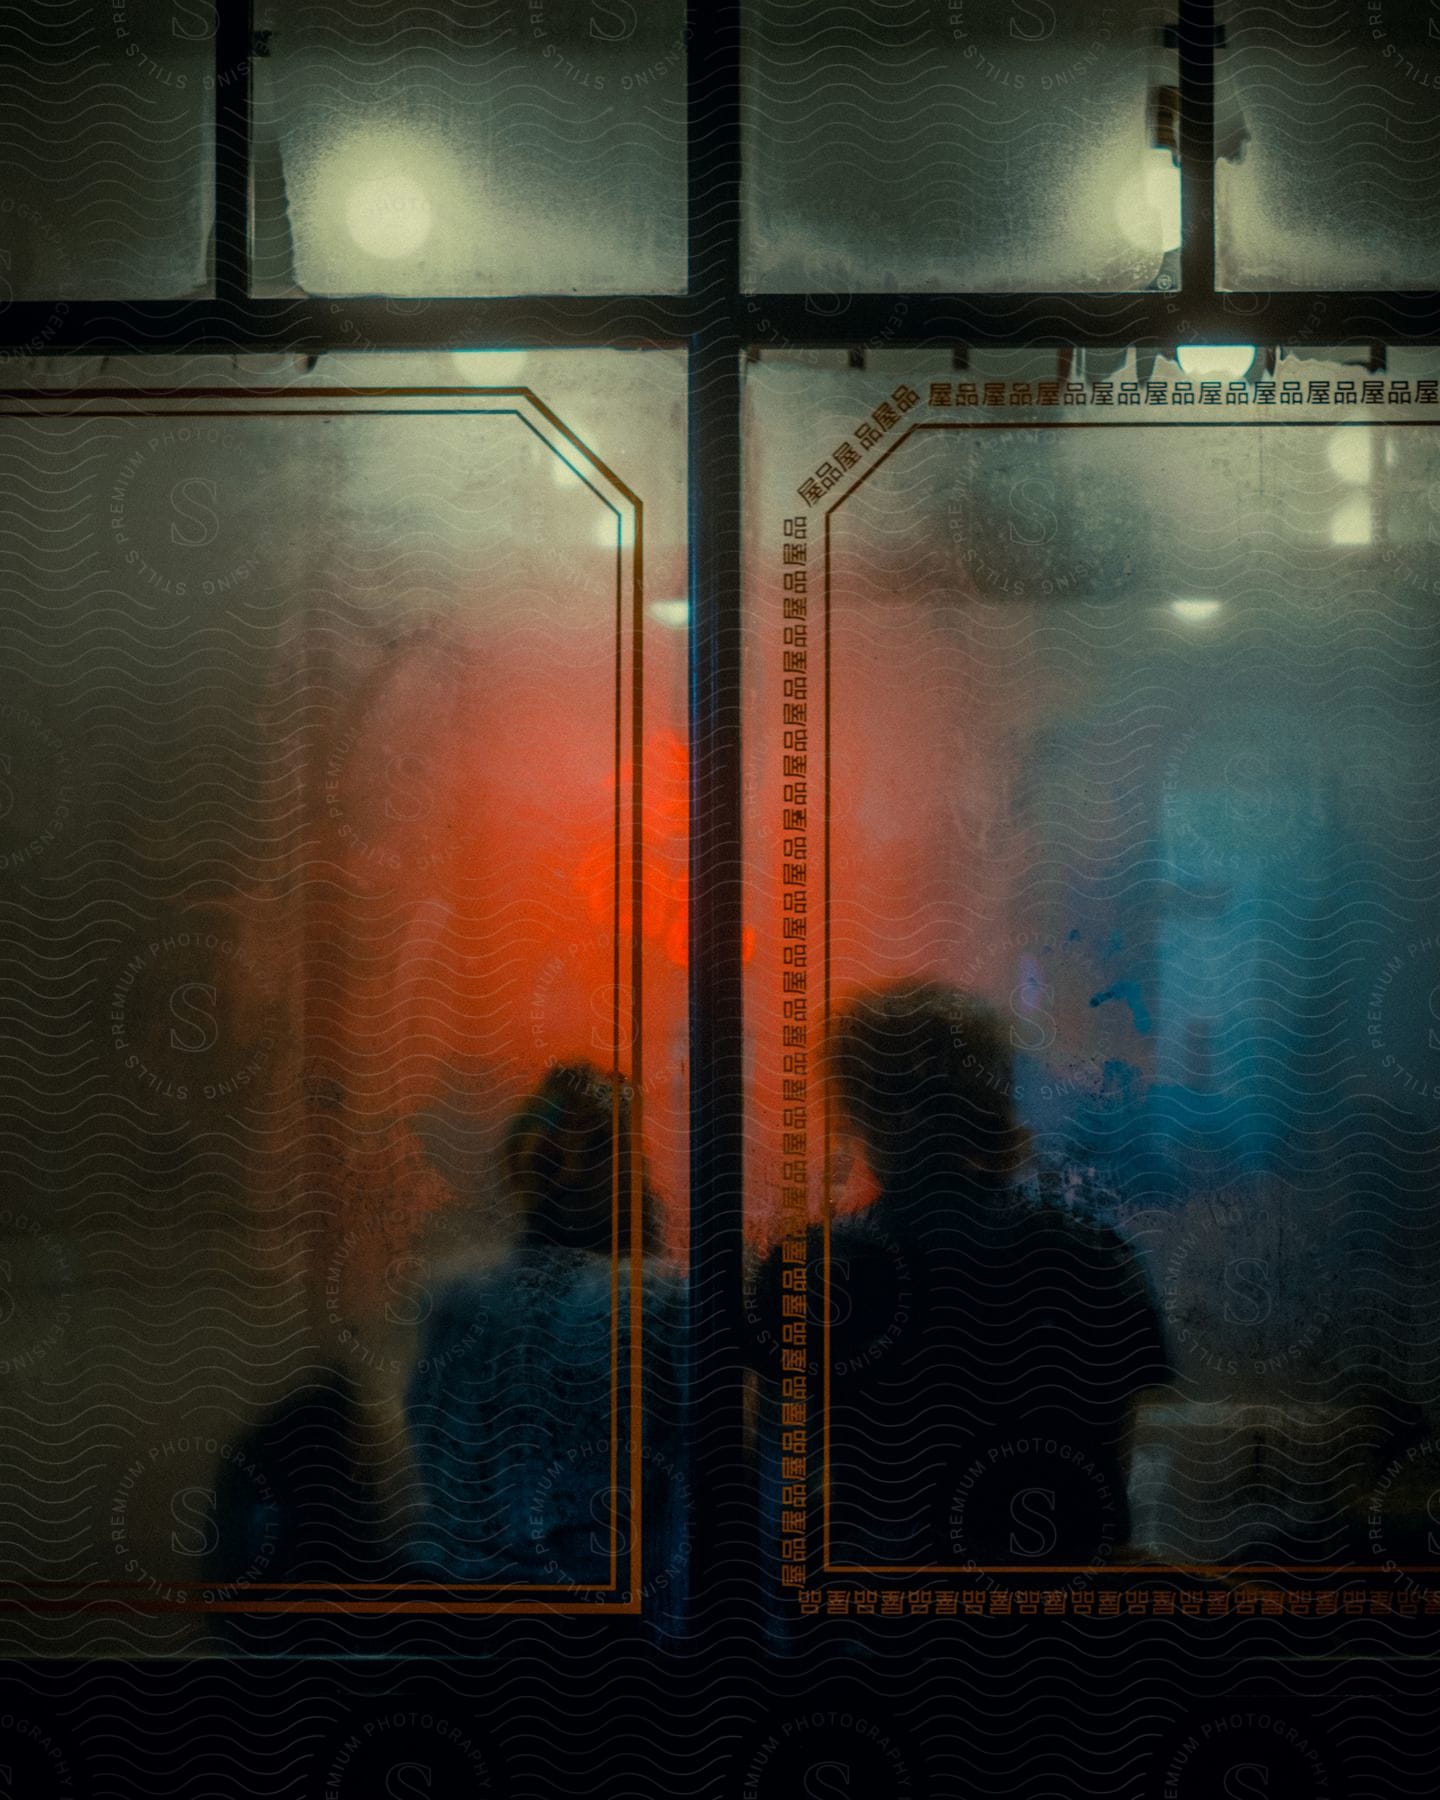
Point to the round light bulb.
(1216, 362)
(388, 215)
(1147, 207)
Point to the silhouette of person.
(974, 1355)
(295, 1503)
(519, 1407)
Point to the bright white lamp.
(388, 214)
(1147, 207)
(1196, 612)
(1216, 362)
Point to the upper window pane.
(106, 116)
(988, 145)
(1327, 145)
(530, 146)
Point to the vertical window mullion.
(722, 1558)
(234, 36)
(1197, 157)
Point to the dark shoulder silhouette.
(973, 1354)
(521, 1409)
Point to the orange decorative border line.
(400, 1597)
(887, 429)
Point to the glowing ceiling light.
(1196, 612)
(388, 214)
(1349, 454)
(1217, 362)
(1147, 208)
(674, 613)
(1353, 522)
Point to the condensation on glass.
(1327, 154)
(984, 147)
(106, 129)
(532, 146)
(318, 762)
(1129, 734)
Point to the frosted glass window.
(1127, 732)
(106, 149)
(987, 147)
(318, 758)
(535, 146)
(1330, 183)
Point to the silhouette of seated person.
(520, 1396)
(985, 1349)
(294, 1503)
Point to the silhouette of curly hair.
(924, 1073)
(566, 1156)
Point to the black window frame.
(713, 321)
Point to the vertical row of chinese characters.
(794, 839)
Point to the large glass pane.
(106, 125)
(986, 146)
(1093, 888)
(336, 827)
(534, 146)
(1327, 177)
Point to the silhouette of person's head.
(924, 1074)
(567, 1160)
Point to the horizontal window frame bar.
(38, 328)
